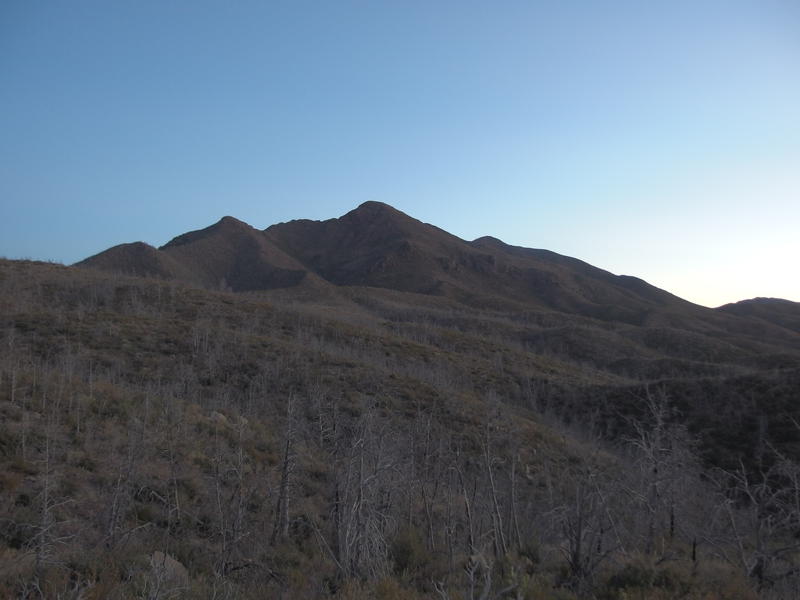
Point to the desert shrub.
(25, 467)
(387, 588)
(390, 588)
(8, 443)
(642, 578)
(408, 551)
(530, 551)
(87, 463)
(541, 587)
(9, 481)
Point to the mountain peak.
(377, 221)
(488, 240)
(374, 205)
(372, 210)
(229, 220)
(225, 225)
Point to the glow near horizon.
(661, 142)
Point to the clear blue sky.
(657, 139)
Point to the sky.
(655, 139)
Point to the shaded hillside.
(165, 441)
(530, 315)
(783, 313)
(378, 246)
(227, 255)
(140, 259)
(372, 245)
(572, 285)
(536, 315)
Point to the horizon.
(658, 142)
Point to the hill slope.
(378, 247)
(783, 313)
(162, 440)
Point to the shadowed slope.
(335, 261)
(377, 245)
(138, 259)
(783, 313)
(231, 254)
(228, 255)
(373, 245)
(571, 285)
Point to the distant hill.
(227, 255)
(780, 312)
(376, 246)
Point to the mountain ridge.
(377, 246)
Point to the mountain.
(139, 259)
(376, 245)
(783, 313)
(227, 255)
(371, 407)
(606, 334)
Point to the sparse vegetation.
(162, 441)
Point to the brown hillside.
(391, 445)
(232, 255)
(783, 313)
(227, 255)
(378, 247)
(138, 259)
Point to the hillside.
(376, 263)
(369, 407)
(780, 312)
